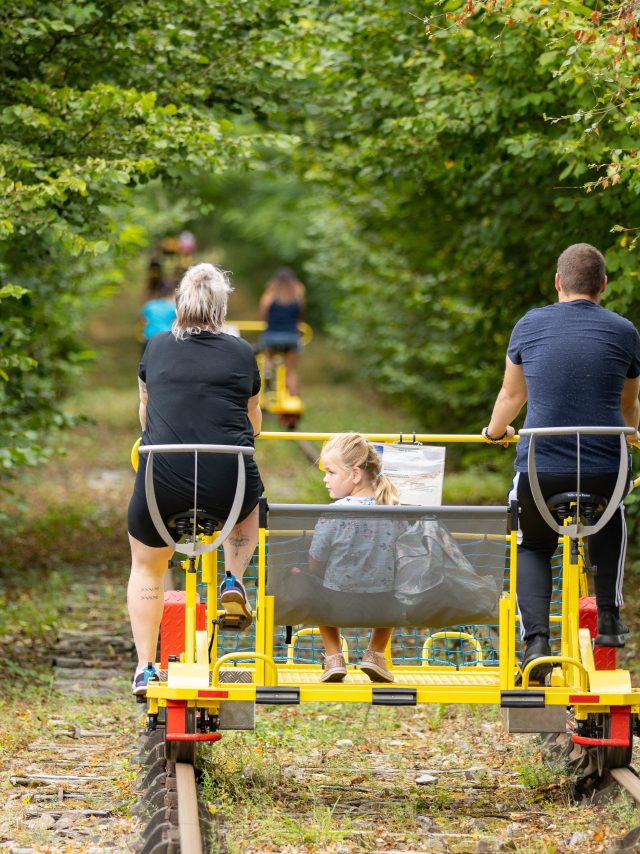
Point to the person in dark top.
(282, 306)
(575, 364)
(197, 385)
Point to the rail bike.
(274, 395)
(456, 641)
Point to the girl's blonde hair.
(201, 300)
(351, 450)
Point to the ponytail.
(385, 490)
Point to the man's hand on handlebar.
(497, 438)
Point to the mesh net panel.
(406, 644)
(481, 540)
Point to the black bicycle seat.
(183, 523)
(591, 506)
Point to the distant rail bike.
(212, 676)
(274, 395)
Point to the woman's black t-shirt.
(198, 389)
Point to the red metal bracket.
(619, 730)
(177, 724)
(193, 736)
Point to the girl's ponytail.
(385, 490)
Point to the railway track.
(188, 819)
(174, 819)
(628, 779)
(179, 823)
(69, 790)
(310, 451)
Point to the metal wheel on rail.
(612, 757)
(184, 751)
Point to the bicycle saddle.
(591, 506)
(183, 523)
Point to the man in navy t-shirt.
(575, 364)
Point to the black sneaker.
(537, 647)
(611, 630)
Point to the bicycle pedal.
(232, 622)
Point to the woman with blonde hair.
(355, 554)
(198, 385)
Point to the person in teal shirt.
(158, 314)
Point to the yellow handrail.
(313, 631)
(456, 636)
(564, 661)
(298, 436)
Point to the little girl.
(355, 552)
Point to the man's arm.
(511, 398)
(142, 410)
(629, 405)
(255, 414)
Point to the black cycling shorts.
(175, 495)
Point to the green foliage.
(422, 173)
(448, 155)
(95, 101)
(443, 164)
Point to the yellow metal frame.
(574, 681)
(276, 399)
(260, 326)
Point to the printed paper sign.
(416, 470)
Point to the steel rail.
(188, 818)
(629, 780)
(309, 451)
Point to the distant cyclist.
(158, 313)
(575, 364)
(282, 307)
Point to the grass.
(548, 775)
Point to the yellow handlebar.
(260, 326)
(135, 457)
